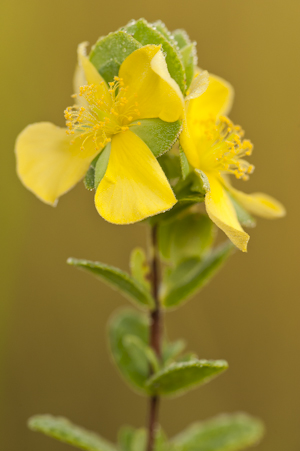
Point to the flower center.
(222, 148)
(102, 116)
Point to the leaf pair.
(223, 433)
(129, 338)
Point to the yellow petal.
(221, 211)
(199, 85)
(134, 186)
(86, 73)
(47, 163)
(215, 101)
(259, 204)
(149, 83)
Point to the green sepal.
(101, 164)
(146, 34)
(89, 179)
(170, 164)
(134, 369)
(227, 432)
(157, 134)
(189, 59)
(139, 267)
(110, 51)
(178, 378)
(195, 185)
(245, 219)
(192, 274)
(184, 164)
(117, 279)
(181, 37)
(66, 432)
(189, 236)
(161, 27)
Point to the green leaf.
(130, 323)
(117, 279)
(189, 236)
(172, 350)
(157, 134)
(125, 437)
(181, 37)
(139, 440)
(146, 34)
(193, 274)
(245, 219)
(101, 164)
(110, 51)
(139, 267)
(189, 59)
(161, 27)
(180, 377)
(63, 430)
(222, 433)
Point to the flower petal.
(215, 101)
(221, 211)
(149, 83)
(47, 163)
(86, 73)
(134, 186)
(259, 204)
(199, 85)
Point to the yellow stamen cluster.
(222, 148)
(102, 117)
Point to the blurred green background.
(53, 352)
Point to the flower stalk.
(155, 334)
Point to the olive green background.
(53, 347)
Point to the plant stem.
(155, 335)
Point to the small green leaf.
(63, 430)
(110, 51)
(193, 274)
(189, 236)
(161, 27)
(157, 134)
(135, 347)
(189, 59)
(245, 219)
(146, 34)
(222, 433)
(139, 267)
(188, 357)
(117, 279)
(134, 369)
(101, 164)
(172, 350)
(181, 37)
(125, 437)
(180, 377)
(139, 440)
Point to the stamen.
(101, 119)
(223, 149)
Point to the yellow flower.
(215, 146)
(51, 160)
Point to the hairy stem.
(155, 335)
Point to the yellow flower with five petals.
(214, 145)
(51, 160)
